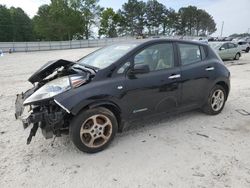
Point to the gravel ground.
(187, 150)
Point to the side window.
(123, 68)
(203, 52)
(225, 46)
(190, 53)
(157, 57)
(231, 45)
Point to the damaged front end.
(37, 105)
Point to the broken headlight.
(49, 90)
(78, 80)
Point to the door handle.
(174, 76)
(209, 68)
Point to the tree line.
(15, 25)
(83, 19)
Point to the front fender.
(91, 94)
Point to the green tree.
(5, 25)
(15, 25)
(90, 11)
(133, 16)
(43, 27)
(21, 25)
(188, 16)
(171, 22)
(207, 24)
(109, 23)
(57, 21)
(155, 15)
(193, 21)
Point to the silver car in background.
(227, 50)
(244, 46)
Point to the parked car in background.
(202, 40)
(210, 39)
(246, 39)
(228, 39)
(98, 95)
(226, 50)
(244, 46)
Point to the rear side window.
(190, 53)
(203, 52)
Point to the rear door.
(196, 73)
(233, 49)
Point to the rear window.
(190, 53)
(242, 43)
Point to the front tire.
(92, 130)
(216, 101)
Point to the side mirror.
(140, 69)
(222, 48)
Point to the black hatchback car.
(91, 99)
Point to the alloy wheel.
(218, 99)
(96, 131)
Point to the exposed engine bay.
(37, 106)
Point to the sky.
(234, 13)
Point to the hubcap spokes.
(217, 100)
(96, 131)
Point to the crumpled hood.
(47, 69)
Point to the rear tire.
(237, 56)
(92, 130)
(216, 101)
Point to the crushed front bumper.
(22, 112)
(50, 121)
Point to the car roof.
(149, 41)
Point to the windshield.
(106, 56)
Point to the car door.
(159, 89)
(233, 49)
(196, 73)
(224, 51)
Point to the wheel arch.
(225, 86)
(114, 108)
(238, 53)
